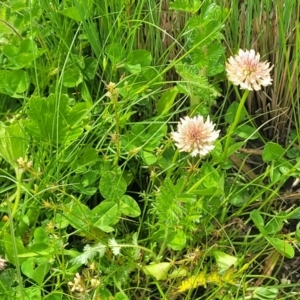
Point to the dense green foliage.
(97, 202)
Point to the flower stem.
(234, 124)
(18, 191)
(115, 104)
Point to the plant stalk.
(234, 124)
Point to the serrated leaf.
(195, 84)
(53, 121)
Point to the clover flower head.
(78, 284)
(112, 90)
(245, 70)
(2, 263)
(195, 136)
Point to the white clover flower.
(2, 263)
(196, 136)
(95, 283)
(113, 91)
(78, 284)
(246, 70)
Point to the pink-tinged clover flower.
(195, 136)
(245, 70)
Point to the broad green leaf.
(177, 240)
(285, 167)
(153, 136)
(31, 293)
(139, 57)
(274, 226)
(112, 186)
(72, 13)
(78, 215)
(258, 221)
(13, 142)
(265, 293)
(72, 77)
(55, 295)
(282, 246)
(88, 156)
(148, 158)
(120, 296)
(158, 271)
(272, 151)
(247, 132)
(22, 56)
(53, 121)
(9, 243)
(153, 75)
(34, 270)
(224, 261)
(42, 248)
(104, 215)
(7, 279)
(231, 113)
(84, 181)
(77, 115)
(21, 80)
(297, 233)
(115, 53)
(295, 214)
(81, 11)
(238, 198)
(210, 183)
(129, 207)
(134, 69)
(275, 174)
(166, 101)
(90, 67)
(124, 118)
(41, 236)
(191, 6)
(14, 82)
(86, 96)
(60, 221)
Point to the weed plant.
(97, 200)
